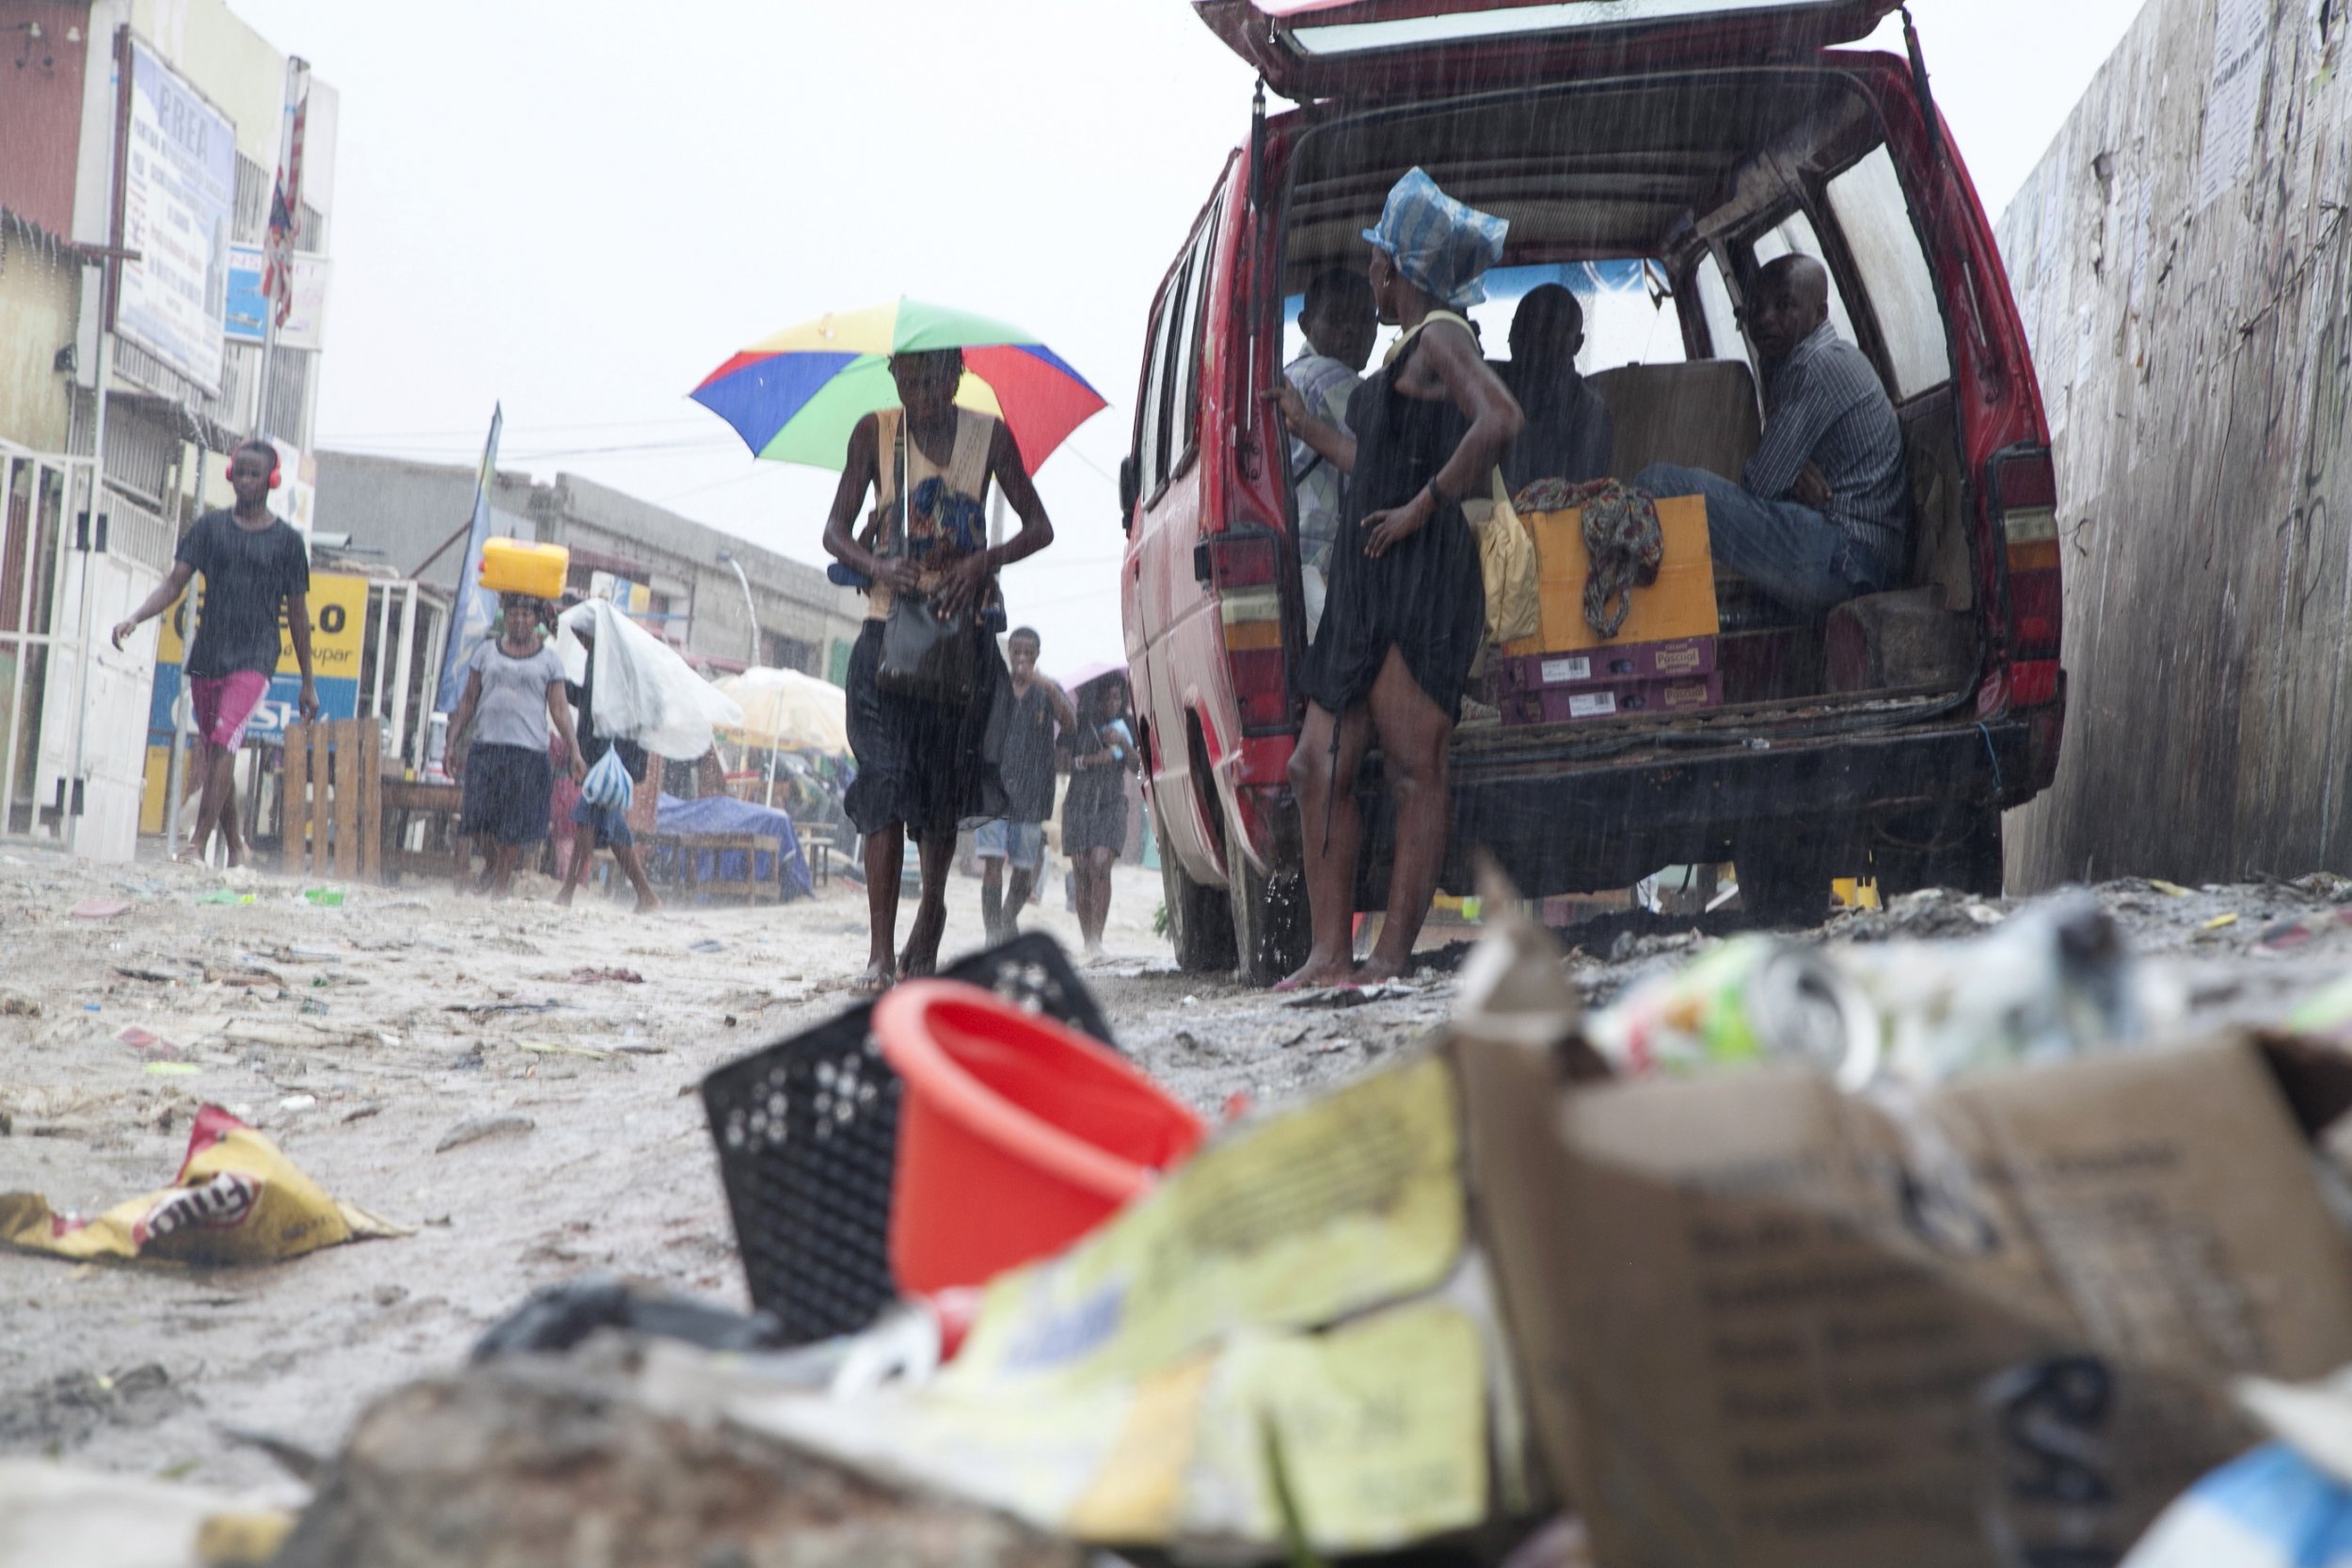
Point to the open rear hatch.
(1316, 49)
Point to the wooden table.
(437, 804)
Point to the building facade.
(666, 569)
(204, 107)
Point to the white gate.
(47, 714)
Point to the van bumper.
(1559, 826)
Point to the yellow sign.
(338, 628)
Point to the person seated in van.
(1569, 435)
(1338, 324)
(1407, 607)
(1820, 515)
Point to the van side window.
(1184, 386)
(1723, 341)
(1795, 234)
(1874, 220)
(1151, 418)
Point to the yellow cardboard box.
(1682, 603)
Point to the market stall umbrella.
(784, 710)
(796, 395)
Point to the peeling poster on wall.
(2241, 60)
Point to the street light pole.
(751, 611)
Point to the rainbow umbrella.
(794, 396)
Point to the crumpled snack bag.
(237, 1199)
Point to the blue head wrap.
(1440, 246)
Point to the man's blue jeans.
(1797, 556)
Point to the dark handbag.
(925, 655)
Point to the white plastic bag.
(608, 786)
(645, 692)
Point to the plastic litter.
(561, 1316)
(324, 898)
(236, 1199)
(2285, 1505)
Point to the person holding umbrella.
(926, 767)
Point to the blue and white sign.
(248, 308)
(179, 200)
(281, 706)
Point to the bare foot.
(877, 979)
(563, 899)
(917, 966)
(1321, 974)
(188, 854)
(648, 904)
(1378, 970)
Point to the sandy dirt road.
(359, 1036)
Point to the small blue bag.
(608, 786)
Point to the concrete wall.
(41, 295)
(41, 108)
(397, 512)
(2182, 259)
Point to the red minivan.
(1653, 154)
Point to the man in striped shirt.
(1821, 513)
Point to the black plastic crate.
(807, 1134)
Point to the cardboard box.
(1681, 604)
(1570, 705)
(1763, 1323)
(1608, 664)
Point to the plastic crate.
(807, 1137)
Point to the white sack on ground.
(645, 692)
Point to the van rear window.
(1629, 315)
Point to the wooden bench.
(817, 845)
(438, 805)
(686, 864)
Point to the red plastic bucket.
(1016, 1134)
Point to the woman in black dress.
(1408, 605)
(924, 768)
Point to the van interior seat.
(1702, 414)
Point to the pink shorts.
(225, 704)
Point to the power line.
(402, 435)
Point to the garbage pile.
(1928, 1253)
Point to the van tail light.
(1246, 566)
(2025, 501)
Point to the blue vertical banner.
(476, 611)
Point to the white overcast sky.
(578, 209)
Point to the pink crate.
(1610, 664)
(1562, 704)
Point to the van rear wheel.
(1959, 848)
(1784, 878)
(1271, 931)
(1200, 922)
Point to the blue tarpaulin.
(718, 815)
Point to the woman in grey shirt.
(498, 740)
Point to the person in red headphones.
(256, 571)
